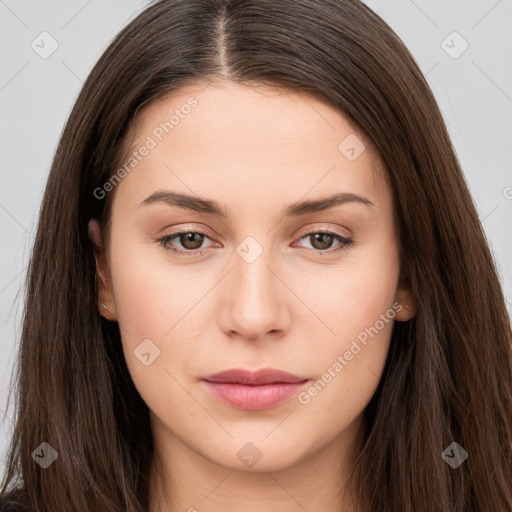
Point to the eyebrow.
(212, 207)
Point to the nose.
(257, 306)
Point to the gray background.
(474, 91)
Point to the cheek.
(348, 365)
(151, 292)
(160, 351)
(359, 313)
(168, 304)
(351, 296)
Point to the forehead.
(240, 139)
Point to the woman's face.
(285, 278)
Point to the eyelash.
(347, 242)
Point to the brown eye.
(191, 240)
(322, 241)
(188, 242)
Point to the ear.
(103, 281)
(403, 296)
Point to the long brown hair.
(448, 375)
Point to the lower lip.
(254, 398)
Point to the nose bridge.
(255, 306)
(253, 279)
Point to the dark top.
(8, 508)
(7, 500)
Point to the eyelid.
(315, 228)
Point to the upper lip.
(258, 377)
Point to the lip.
(262, 389)
(258, 377)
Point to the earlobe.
(94, 231)
(404, 298)
(407, 313)
(105, 312)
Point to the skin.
(254, 150)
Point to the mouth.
(259, 390)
